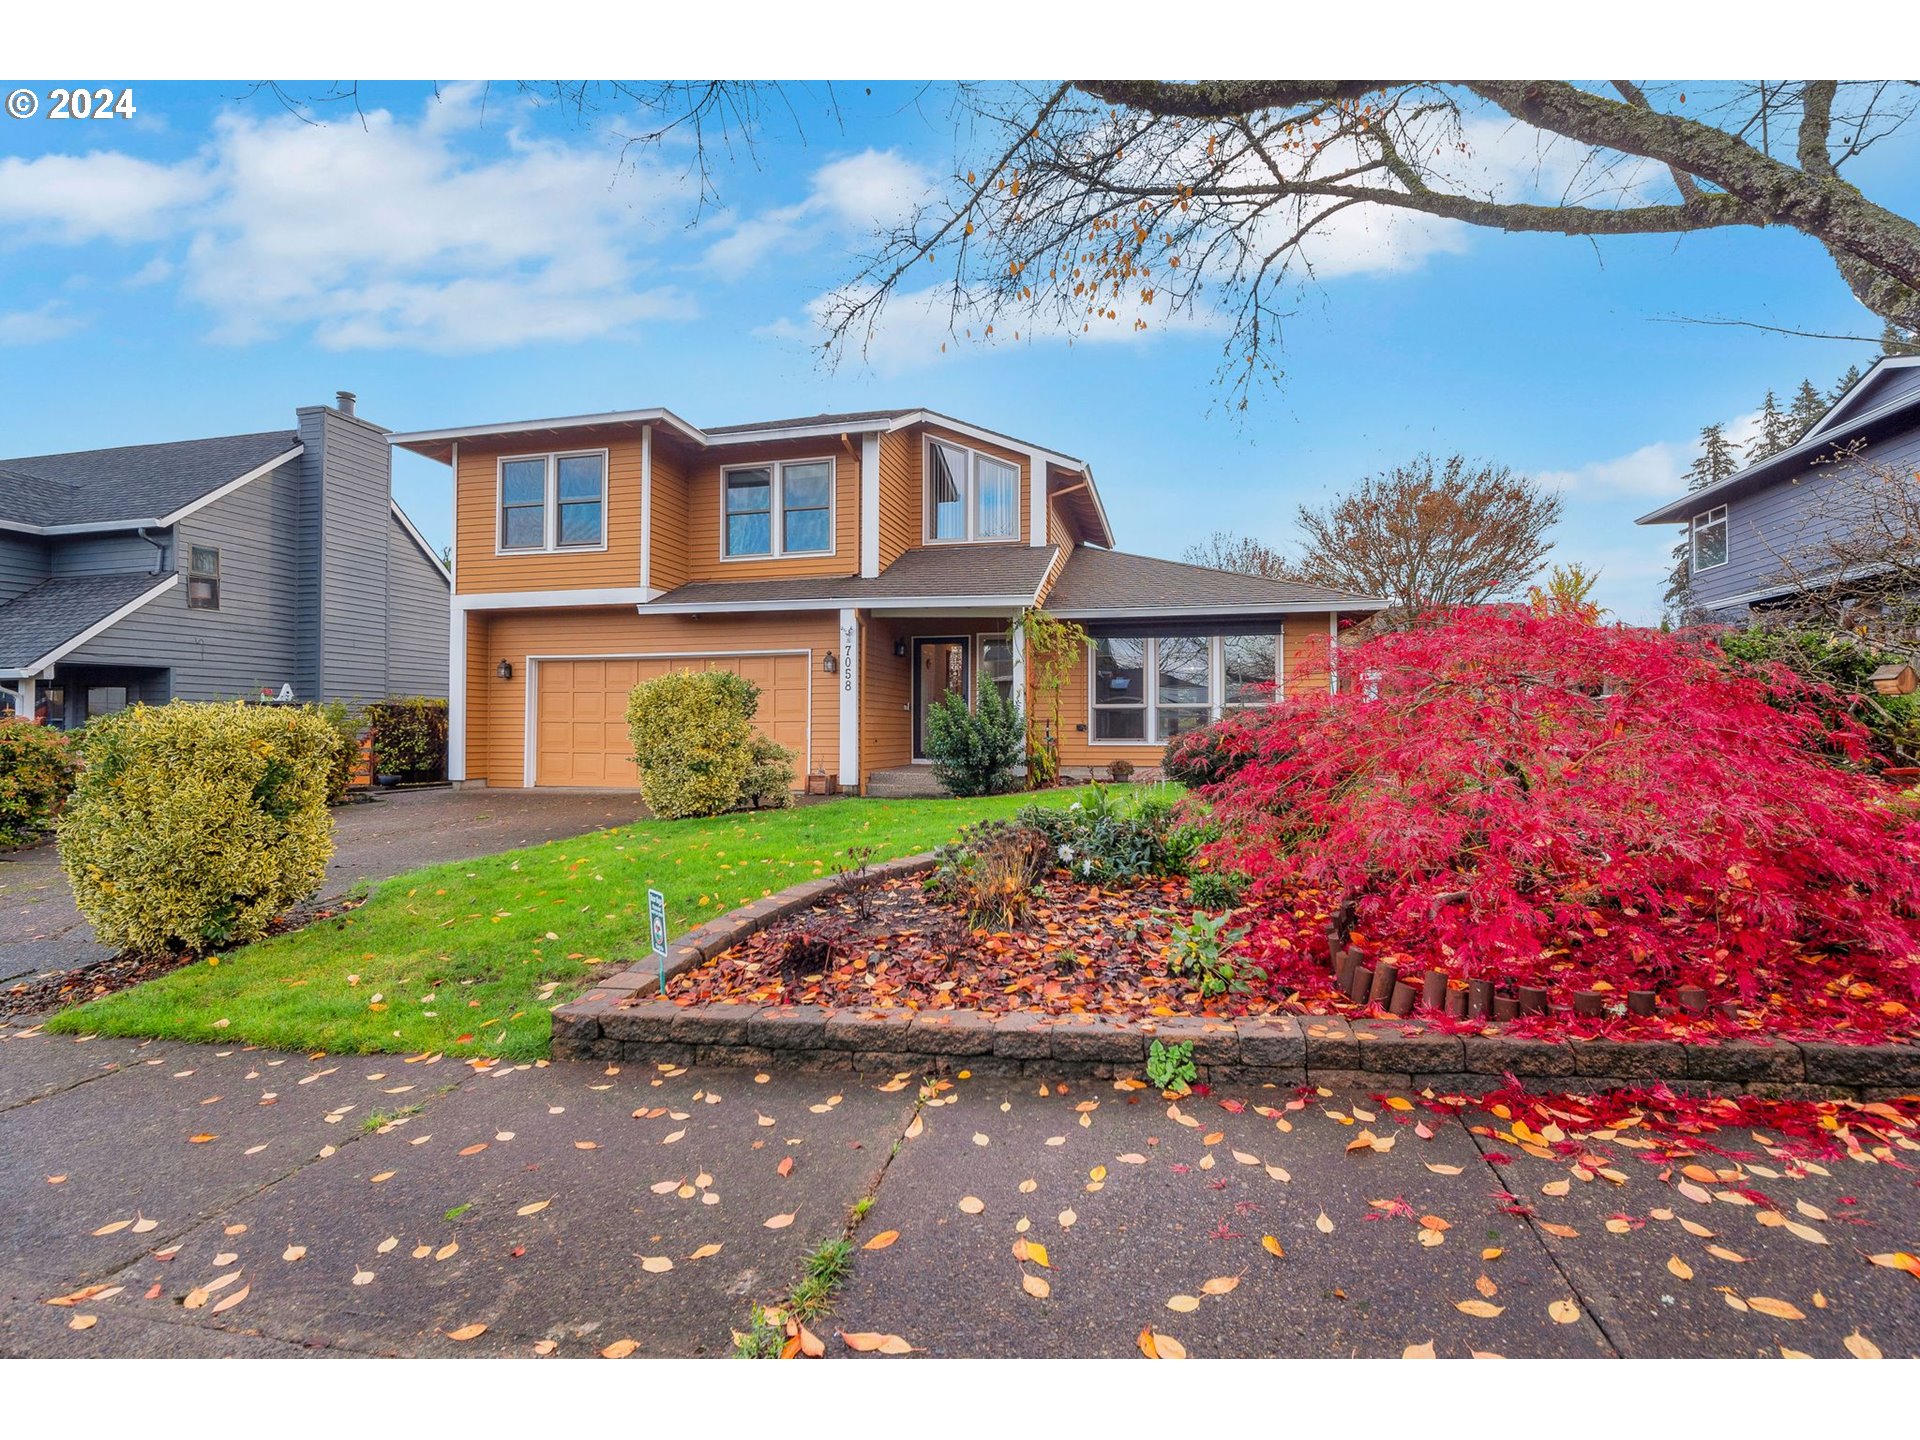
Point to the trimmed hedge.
(696, 749)
(409, 737)
(36, 775)
(977, 751)
(193, 826)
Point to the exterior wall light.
(900, 649)
(831, 663)
(504, 670)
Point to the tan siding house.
(857, 567)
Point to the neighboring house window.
(1710, 538)
(553, 502)
(996, 659)
(1154, 688)
(798, 492)
(105, 700)
(203, 578)
(970, 496)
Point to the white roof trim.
(552, 599)
(1200, 612)
(828, 602)
(66, 647)
(1857, 391)
(420, 540)
(156, 522)
(653, 414)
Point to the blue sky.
(214, 262)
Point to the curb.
(621, 1018)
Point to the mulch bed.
(63, 989)
(1092, 950)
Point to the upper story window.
(970, 496)
(1710, 538)
(1153, 688)
(203, 578)
(779, 509)
(553, 502)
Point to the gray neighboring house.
(1750, 532)
(271, 565)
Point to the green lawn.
(467, 958)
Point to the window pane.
(580, 523)
(580, 477)
(946, 491)
(1120, 724)
(749, 491)
(750, 534)
(1170, 721)
(1710, 543)
(996, 659)
(997, 499)
(1251, 669)
(203, 561)
(806, 487)
(1119, 672)
(524, 528)
(1183, 670)
(808, 530)
(523, 482)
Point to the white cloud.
(1656, 470)
(396, 232)
(36, 327)
(856, 194)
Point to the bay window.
(970, 495)
(1148, 689)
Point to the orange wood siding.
(669, 557)
(704, 500)
(900, 497)
(477, 521)
(496, 709)
(1078, 753)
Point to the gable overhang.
(928, 604)
(157, 522)
(1857, 392)
(1202, 612)
(99, 627)
(439, 444)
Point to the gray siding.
(107, 554)
(23, 564)
(1781, 526)
(420, 600)
(355, 467)
(1884, 389)
(251, 640)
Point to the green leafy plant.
(36, 775)
(1198, 952)
(409, 737)
(193, 826)
(975, 752)
(1053, 648)
(1171, 1067)
(695, 746)
(990, 872)
(769, 780)
(1111, 837)
(1217, 889)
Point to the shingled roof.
(964, 574)
(1094, 581)
(130, 483)
(38, 624)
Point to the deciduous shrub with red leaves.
(1533, 797)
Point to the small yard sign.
(657, 925)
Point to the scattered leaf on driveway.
(468, 1332)
(1035, 1285)
(1272, 1246)
(1485, 1309)
(83, 1322)
(1156, 1346)
(1861, 1347)
(1679, 1268)
(1778, 1309)
(1422, 1351)
(778, 1222)
(620, 1349)
(1184, 1304)
(972, 1205)
(534, 1209)
(655, 1264)
(1564, 1311)
(882, 1240)
(870, 1341)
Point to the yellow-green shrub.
(193, 826)
(693, 742)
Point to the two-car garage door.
(581, 721)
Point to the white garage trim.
(530, 741)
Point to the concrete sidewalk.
(541, 1203)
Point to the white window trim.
(1217, 705)
(550, 512)
(1694, 526)
(969, 503)
(776, 517)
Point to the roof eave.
(424, 442)
(157, 522)
(72, 643)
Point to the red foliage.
(1531, 797)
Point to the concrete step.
(914, 782)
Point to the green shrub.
(36, 774)
(193, 826)
(1844, 661)
(346, 724)
(696, 748)
(975, 752)
(1110, 837)
(409, 737)
(1171, 1067)
(1217, 889)
(990, 872)
(1198, 953)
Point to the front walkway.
(41, 931)
(237, 1202)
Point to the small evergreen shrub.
(409, 737)
(193, 826)
(975, 752)
(696, 748)
(1217, 889)
(1111, 837)
(769, 782)
(36, 774)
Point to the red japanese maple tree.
(1528, 795)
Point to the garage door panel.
(581, 726)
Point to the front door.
(939, 670)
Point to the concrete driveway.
(41, 931)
